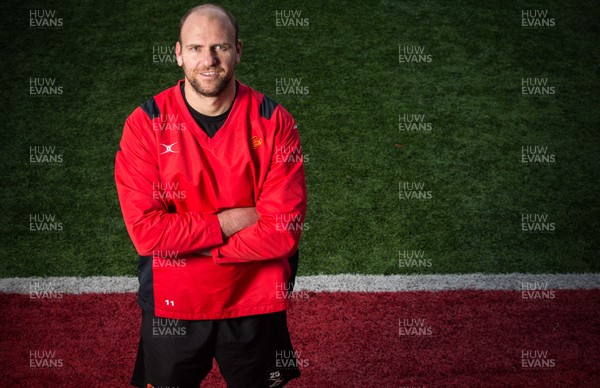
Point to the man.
(213, 198)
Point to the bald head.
(210, 11)
(208, 51)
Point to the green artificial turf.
(348, 57)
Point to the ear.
(178, 54)
(238, 49)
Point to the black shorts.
(252, 351)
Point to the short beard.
(215, 92)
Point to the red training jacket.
(172, 179)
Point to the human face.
(208, 52)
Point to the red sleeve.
(281, 205)
(148, 221)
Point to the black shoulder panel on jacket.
(267, 107)
(151, 108)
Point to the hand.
(235, 219)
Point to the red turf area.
(465, 338)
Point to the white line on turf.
(340, 283)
